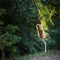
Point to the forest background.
(18, 19)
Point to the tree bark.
(45, 46)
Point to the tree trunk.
(3, 54)
(45, 46)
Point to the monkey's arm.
(37, 28)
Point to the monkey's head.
(39, 26)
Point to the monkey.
(40, 31)
(41, 34)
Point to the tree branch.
(3, 35)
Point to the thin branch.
(3, 35)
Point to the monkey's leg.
(45, 46)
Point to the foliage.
(9, 40)
(45, 13)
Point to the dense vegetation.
(18, 19)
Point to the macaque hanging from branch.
(41, 34)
